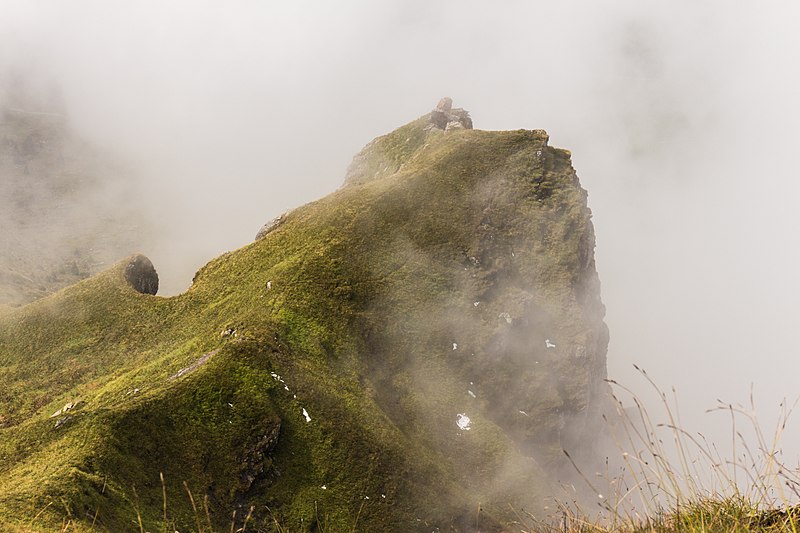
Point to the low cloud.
(682, 121)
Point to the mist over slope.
(67, 209)
(422, 342)
(682, 119)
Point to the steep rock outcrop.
(141, 275)
(444, 117)
(271, 226)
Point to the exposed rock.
(444, 117)
(392, 152)
(445, 104)
(270, 226)
(67, 407)
(360, 165)
(141, 275)
(256, 459)
(194, 366)
(454, 125)
(439, 119)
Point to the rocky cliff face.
(421, 343)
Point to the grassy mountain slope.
(319, 374)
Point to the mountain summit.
(411, 352)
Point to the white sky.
(681, 117)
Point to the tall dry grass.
(660, 477)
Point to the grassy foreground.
(669, 479)
(712, 516)
(655, 489)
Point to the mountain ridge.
(424, 340)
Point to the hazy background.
(682, 118)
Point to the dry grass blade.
(194, 508)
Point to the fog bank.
(681, 118)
